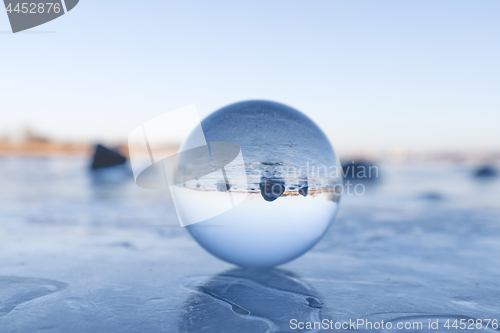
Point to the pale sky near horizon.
(374, 75)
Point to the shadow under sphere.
(249, 300)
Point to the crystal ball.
(290, 182)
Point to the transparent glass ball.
(290, 188)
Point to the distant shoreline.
(45, 149)
(49, 149)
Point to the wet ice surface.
(78, 256)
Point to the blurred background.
(392, 78)
(409, 87)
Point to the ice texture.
(83, 256)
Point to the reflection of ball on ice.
(291, 177)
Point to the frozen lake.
(82, 255)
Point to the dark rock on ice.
(105, 157)
(271, 189)
(303, 187)
(486, 171)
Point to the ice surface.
(80, 256)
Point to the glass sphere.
(290, 185)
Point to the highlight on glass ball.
(256, 183)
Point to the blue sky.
(375, 75)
